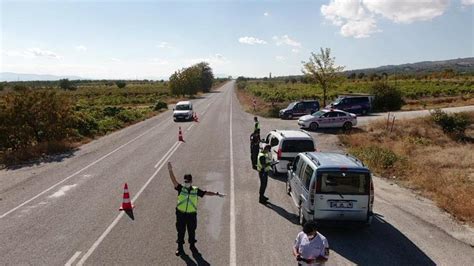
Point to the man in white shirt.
(311, 247)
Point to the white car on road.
(328, 118)
(183, 111)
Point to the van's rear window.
(297, 145)
(353, 183)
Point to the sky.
(152, 39)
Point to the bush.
(65, 84)
(85, 124)
(127, 116)
(160, 105)
(241, 85)
(112, 110)
(454, 124)
(377, 157)
(109, 124)
(387, 98)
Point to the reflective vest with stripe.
(267, 162)
(257, 125)
(188, 199)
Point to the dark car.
(356, 104)
(299, 108)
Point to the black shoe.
(193, 249)
(263, 201)
(266, 199)
(179, 251)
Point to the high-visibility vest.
(257, 125)
(267, 162)
(187, 200)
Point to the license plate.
(340, 204)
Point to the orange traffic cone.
(180, 135)
(126, 204)
(195, 117)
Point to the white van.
(286, 144)
(183, 111)
(330, 187)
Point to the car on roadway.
(328, 118)
(299, 108)
(329, 186)
(353, 103)
(285, 145)
(183, 111)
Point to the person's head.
(188, 180)
(310, 228)
(267, 148)
(255, 119)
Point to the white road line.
(117, 219)
(89, 165)
(233, 257)
(73, 258)
(166, 154)
(189, 128)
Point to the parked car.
(331, 187)
(328, 118)
(296, 109)
(183, 111)
(357, 104)
(286, 144)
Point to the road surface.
(66, 211)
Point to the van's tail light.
(279, 154)
(372, 195)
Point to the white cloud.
(81, 48)
(280, 58)
(157, 61)
(285, 40)
(266, 14)
(358, 18)
(115, 59)
(251, 40)
(32, 53)
(216, 59)
(164, 45)
(294, 50)
(467, 2)
(407, 11)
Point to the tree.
(121, 84)
(361, 75)
(386, 97)
(65, 84)
(206, 76)
(321, 69)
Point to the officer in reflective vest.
(263, 167)
(257, 124)
(186, 209)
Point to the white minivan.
(330, 187)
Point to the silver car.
(328, 118)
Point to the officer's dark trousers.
(263, 182)
(183, 221)
(253, 156)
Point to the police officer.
(254, 147)
(257, 124)
(186, 209)
(263, 167)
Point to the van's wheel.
(313, 126)
(290, 116)
(347, 126)
(301, 219)
(364, 112)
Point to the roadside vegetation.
(46, 117)
(432, 155)
(324, 81)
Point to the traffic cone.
(195, 117)
(180, 135)
(126, 203)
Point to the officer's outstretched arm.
(172, 177)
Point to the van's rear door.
(342, 195)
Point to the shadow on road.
(278, 177)
(283, 213)
(198, 259)
(46, 159)
(379, 244)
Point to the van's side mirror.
(289, 167)
(173, 108)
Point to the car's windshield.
(291, 105)
(337, 101)
(318, 113)
(183, 107)
(342, 182)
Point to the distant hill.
(9, 76)
(460, 65)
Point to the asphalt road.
(66, 211)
